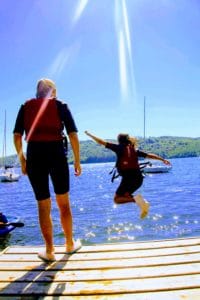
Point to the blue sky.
(105, 57)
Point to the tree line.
(165, 146)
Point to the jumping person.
(43, 119)
(128, 167)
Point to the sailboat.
(153, 167)
(7, 172)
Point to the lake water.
(174, 212)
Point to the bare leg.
(44, 210)
(127, 198)
(66, 219)
(143, 205)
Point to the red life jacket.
(128, 159)
(42, 121)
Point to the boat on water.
(153, 168)
(8, 175)
(149, 167)
(7, 172)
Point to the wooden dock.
(166, 270)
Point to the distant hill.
(166, 146)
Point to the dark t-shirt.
(117, 148)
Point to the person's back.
(41, 120)
(127, 160)
(43, 125)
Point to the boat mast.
(144, 119)
(4, 142)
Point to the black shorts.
(130, 182)
(46, 159)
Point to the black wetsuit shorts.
(130, 182)
(44, 160)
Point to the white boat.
(153, 168)
(7, 172)
(149, 167)
(8, 175)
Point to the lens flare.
(63, 58)
(66, 55)
(79, 10)
(126, 74)
(122, 65)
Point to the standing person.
(129, 170)
(43, 119)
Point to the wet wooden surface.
(165, 269)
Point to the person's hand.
(86, 132)
(167, 162)
(23, 166)
(77, 169)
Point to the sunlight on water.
(123, 231)
(156, 217)
(90, 234)
(98, 220)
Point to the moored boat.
(8, 175)
(7, 171)
(157, 169)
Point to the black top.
(118, 148)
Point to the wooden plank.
(65, 264)
(101, 287)
(94, 275)
(192, 294)
(189, 294)
(143, 245)
(107, 255)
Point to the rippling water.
(174, 198)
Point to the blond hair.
(133, 141)
(124, 138)
(46, 88)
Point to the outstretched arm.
(96, 139)
(155, 156)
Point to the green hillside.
(166, 146)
